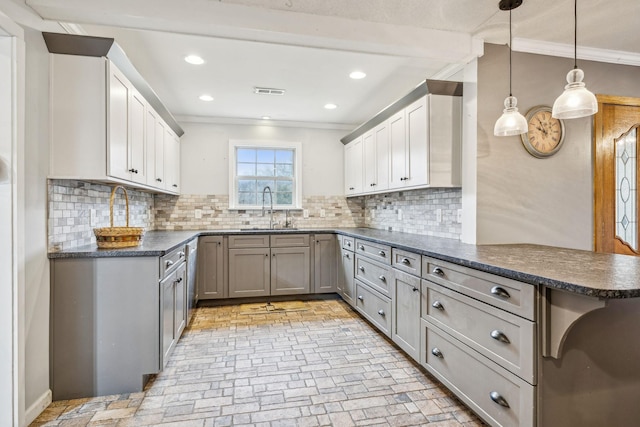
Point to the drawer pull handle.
(437, 353)
(496, 397)
(381, 312)
(415, 289)
(382, 279)
(346, 254)
(500, 292)
(361, 247)
(382, 253)
(181, 254)
(438, 305)
(361, 268)
(360, 297)
(168, 264)
(500, 336)
(406, 261)
(438, 271)
(348, 243)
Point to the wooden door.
(616, 174)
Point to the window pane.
(265, 169)
(246, 169)
(247, 185)
(284, 186)
(266, 156)
(247, 155)
(262, 184)
(283, 198)
(247, 199)
(284, 156)
(284, 170)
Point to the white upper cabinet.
(353, 171)
(417, 147)
(103, 129)
(172, 161)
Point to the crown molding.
(585, 53)
(259, 122)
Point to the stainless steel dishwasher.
(192, 289)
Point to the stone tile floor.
(312, 363)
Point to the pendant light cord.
(575, 34)
(510, 93)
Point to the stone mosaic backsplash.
(210, 212)
(418, 212)
(75, 208)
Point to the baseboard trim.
(37, 407)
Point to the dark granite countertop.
(582, 272)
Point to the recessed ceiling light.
(266, 118)
(357, 75)
(194, 59)
(330, 106)
(206, 98)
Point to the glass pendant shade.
(576, 101)
(511, 122)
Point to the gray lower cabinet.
(406, 313)
(192, 270)
(173, 313)
(346, 271)
(211, 271)
(325, 267)
(290, 271)
(249, 272)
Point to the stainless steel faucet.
(264, 190)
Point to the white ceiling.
(308, 47)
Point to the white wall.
(521, 198)
(205, 151)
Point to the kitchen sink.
(266, 229)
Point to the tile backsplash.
(77, 207)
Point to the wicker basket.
(118, 237)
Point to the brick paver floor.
(312, 363)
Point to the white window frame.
(234, 144)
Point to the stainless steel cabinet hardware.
(349, 244)
(496, 397)
(405, 261)
(382, 279)
(415, 289)
(360, 298)
(381, 312)
(181, 254)
(168, 263)
(361, 247)
(437, 353)
(175, 185)
(438, 305)
(438, 271)
(346, 254)
(179, 280)
(158, 179)
(500, 291)
(382, 253)
(361, 268)
(499, 336)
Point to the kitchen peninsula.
(523, 334)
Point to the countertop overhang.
(599, 275)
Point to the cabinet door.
(172, 161)
(167, 322)
(406, 313)
(397, 150)
(137, 146)
(353, 167)
(159, 170)
(150, 143)
(180, 316)
(118, 128)
(417, 143)
(325, 274)
(211, 268)
(249, 272)
(346, 281)
(290, 271)
(381, 133)
(369, 162)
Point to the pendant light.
(511, 122)
(576, 101)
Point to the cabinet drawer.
(289, 240)
(376, 251)
(249, 241)
(348, 243)
(170, 261)
(477, 381)
(374, 307)
(406, 261)
(510, 295)
(374, 274)
(504, 338)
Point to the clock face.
(545, 134)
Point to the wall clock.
(545, 134)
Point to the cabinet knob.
(351, 188)
(438, 305)
(415, 289)
(349, 244)
(438, 271)
(405, 261)
(181, 254)
(382, 279)
(496, 397)
(179, 280)
(382, 253)
(361, 268)
(159, 179)
(346, 254)
(361, 247)
(360, 297)
(500, 336)
(175, 185)
(168, 264)
(500, 292)
(381, 312)
(437, 353)
(132, 170)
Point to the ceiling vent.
(268, 91)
